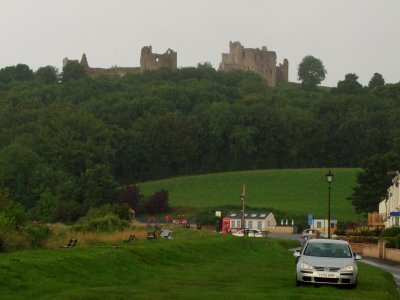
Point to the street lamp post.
(329, 179)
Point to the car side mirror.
(357, 257)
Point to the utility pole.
(243, 198)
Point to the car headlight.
(305, 266)
(347, 269)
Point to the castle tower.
(260, 61)
(154, 61)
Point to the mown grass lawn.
(194, 265)
(296, 191)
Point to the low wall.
(376, 251)
(393, 254)
(369, 250)
(280, 229)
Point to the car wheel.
(298, 283)
(354, 285)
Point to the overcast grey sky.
(349, 36)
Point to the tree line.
(69, 142)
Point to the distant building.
(322, 225)
(253, 220)
(260, 61)
(148, 61)
(389, 209)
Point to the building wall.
(392, 203)
(266, 223)
(257, 60)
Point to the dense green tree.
(311, 72)
(18, 164)
(20, 72)
(349, 85)
(73, 70)
(47, 75)
(97, 186)
(54, 137)
(23, 73)
(376, 81)
(373, 181)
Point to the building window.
(238, 224)
(259, 225)
(332, 225)
(232, 224)
(319, 225)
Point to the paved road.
(391, 267)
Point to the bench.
(71, 243)
(166, 234)
(130, 238)
(151, 235)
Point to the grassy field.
(194, 265)
(298, 191)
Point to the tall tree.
(47, 74)
(373, 181)
(311, 72)
(349, 85)
(73, 70)
(376, 81)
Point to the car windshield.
(328, 250)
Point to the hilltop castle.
(262, 62)
(148, 61)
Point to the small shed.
(261, 220)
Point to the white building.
(253, 220)
(322, 225)
(390, 207)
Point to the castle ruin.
(262, 62)
(148, 61)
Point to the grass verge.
(194, 265)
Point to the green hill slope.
(298, 191)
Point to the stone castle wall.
(154, 61)
(257, 60)
(260, 61)
(148, 61)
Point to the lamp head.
(329, 177)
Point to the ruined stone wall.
(148, 61)
(283, 71)
(154, 61)
(257, 60)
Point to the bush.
(106, 223)
(392, 242)
(123, 211)
(391, 232)
(12, 240)
(37, 234)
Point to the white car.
(250, 233)
(323, 261)
(310, 233)
(325, 235)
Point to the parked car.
(325, 235)
(310, 233)
(322, 261)
(250, 233)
